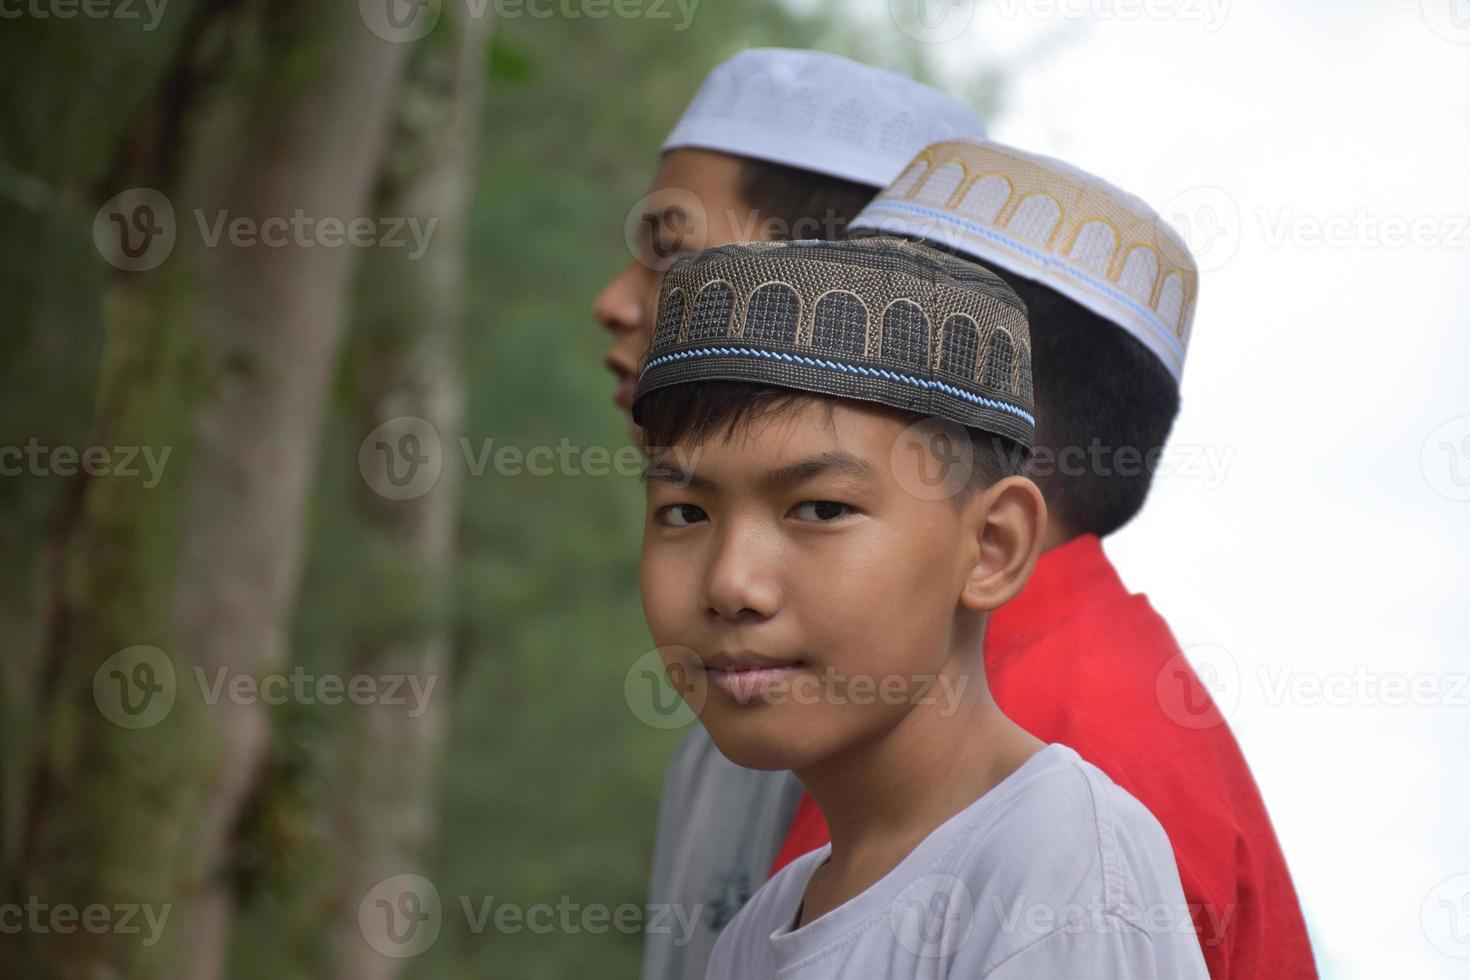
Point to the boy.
(1077, 659)
(806, 547)
(776, 143)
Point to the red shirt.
(1077, 659)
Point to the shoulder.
(1073, 877)
(1072, 844)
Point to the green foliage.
(549, 783)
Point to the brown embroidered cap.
(876, 319)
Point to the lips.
(747, 677)
(750, 683)
(627, 375)
(623, 393)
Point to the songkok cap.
(820, 112)
(1048, 221)
(877, 319)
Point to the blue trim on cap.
(839, 366)
(1045, 258)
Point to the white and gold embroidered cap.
(820, 112)
(1046, 220)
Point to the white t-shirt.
(1055, 874)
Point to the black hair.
(1095, 386)
(1097, 391)
(696, 411)
(803, 203)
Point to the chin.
(761, 744)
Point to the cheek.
(886, 606)
(665, 580)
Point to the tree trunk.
(407, 380)
(221, 355)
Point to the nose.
(619, 307)
(742, 583)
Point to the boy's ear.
(1009, 521)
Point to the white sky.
(1326, 545)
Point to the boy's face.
(694, 203)
(802, 597)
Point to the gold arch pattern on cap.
(1085, 207)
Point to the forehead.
(805, 429)
(707, 173)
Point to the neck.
(1057, 534)
(889, 792)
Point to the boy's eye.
(679, 515)
(822, 511)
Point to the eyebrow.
(836, 463)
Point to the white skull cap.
(820, 112)
(1049, 221)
